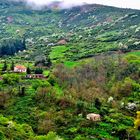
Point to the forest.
(11, 46)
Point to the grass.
(46, 72)
(137, 53)
(58, 52)
(71, 64)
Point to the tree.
(11, 46)
(48, 63)
(40, 60)
(24, 43)
(12, 66)
(38, 71)
(10, 79)
(22, 91)
(28, 70)
(97, 103)
(3, 99)
(4, 66)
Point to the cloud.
(60, 3)
(70, 3)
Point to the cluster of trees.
(36, 71)
(43, 61)
(25, 131)
(5, 66)
(12, 46)
(101, 74)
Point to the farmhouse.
(20, 68)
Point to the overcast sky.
(135, 4)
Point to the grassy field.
(58, 52)
(135, 53)
(71, 64)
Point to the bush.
(137, 121)
(2, 137)
(50, 136)
(123, 88)
(10, 79)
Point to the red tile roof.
(20, 67)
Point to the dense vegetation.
(11, 46)
(60, 103)
(79, 61)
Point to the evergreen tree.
(11, 46)
(38, 71)
(24, 43)
(49, 63)
(98, 103)
(12, 66)
(28, 70)
(22, 91)
(4, 66)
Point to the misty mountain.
(90, 29)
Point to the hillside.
(89, 29)
(69, 74)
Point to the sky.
(134, 4)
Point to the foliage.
(10, 47)
(12, 66)
(137, 121)
(50, 136)
(10, 79)
(28, 70)
(38, 71)
(4, 66)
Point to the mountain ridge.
(89, 29)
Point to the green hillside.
(89, 29)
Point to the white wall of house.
(19, 70)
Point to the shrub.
(38, 71)
(97, 103)
(122, 89)
(2, 137)
(10, 79)
(137, 121)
